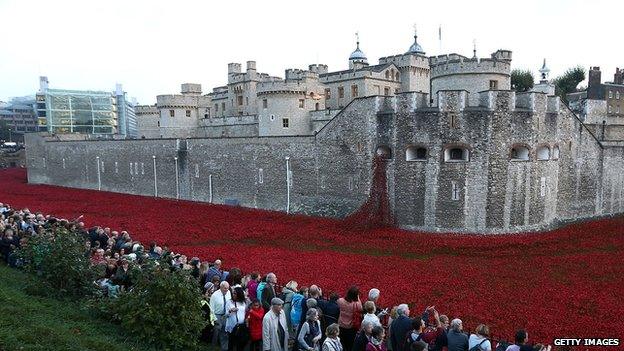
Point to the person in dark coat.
(400, 327)
(330, 310)
(269, 291)
(363, 336)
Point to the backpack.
(296, 305)
(478, 346)
(259, 291)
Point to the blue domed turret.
(357, 54)
(416, 48)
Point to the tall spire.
(474, 48)
(357, 40)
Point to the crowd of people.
(251, 311)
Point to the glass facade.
(88, 112)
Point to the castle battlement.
(406, 60)
(145, 109)
(180, 100)
(300, 74)
(498, 63)
(290, 87)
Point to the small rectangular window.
(171, 113)
(493, 84)
(396, 91)
(216, 108)
(610, 94)
(454, 191)
(142, 168)
(285, 123)
(543, 186)
(387, 91)
(340, 92)
(116, 167)
(196, 170)
(260, 176)
(301, 103)
(188, 113)
(265, 103)
(354, 91)
(327, 94)
(131, 172)
(239, 100)
(223, 107)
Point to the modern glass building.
(85, 111)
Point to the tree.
(522, 80)
(59, 261)
(568, 82)
(163, 307)
(4, 131)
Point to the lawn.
(563, 283)
(38, 323)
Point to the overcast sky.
(151, 47)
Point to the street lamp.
(10, 135)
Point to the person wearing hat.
(274, 328)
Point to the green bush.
(163, 308)
(59, 261)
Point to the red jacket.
(254, 317)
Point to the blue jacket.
(295, 312)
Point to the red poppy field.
(564, 283)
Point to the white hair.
(373, 294)
(366, 323)
(402, 309)
(224, 284)
(456, 324)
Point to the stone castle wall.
(331, 171)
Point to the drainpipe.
(287, 184)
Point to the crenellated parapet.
(445, 65)
(178, 100)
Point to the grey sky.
(153, 46)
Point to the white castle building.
(301, 103)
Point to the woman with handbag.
(350, 317)
(235, 324)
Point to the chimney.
(594, 86)
(618, 77)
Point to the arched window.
(387, 74)
(555, 153)
(384, 151)
(396, 76)
(519, 153)
(456, 154)
(543, 153)
(415, 153)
